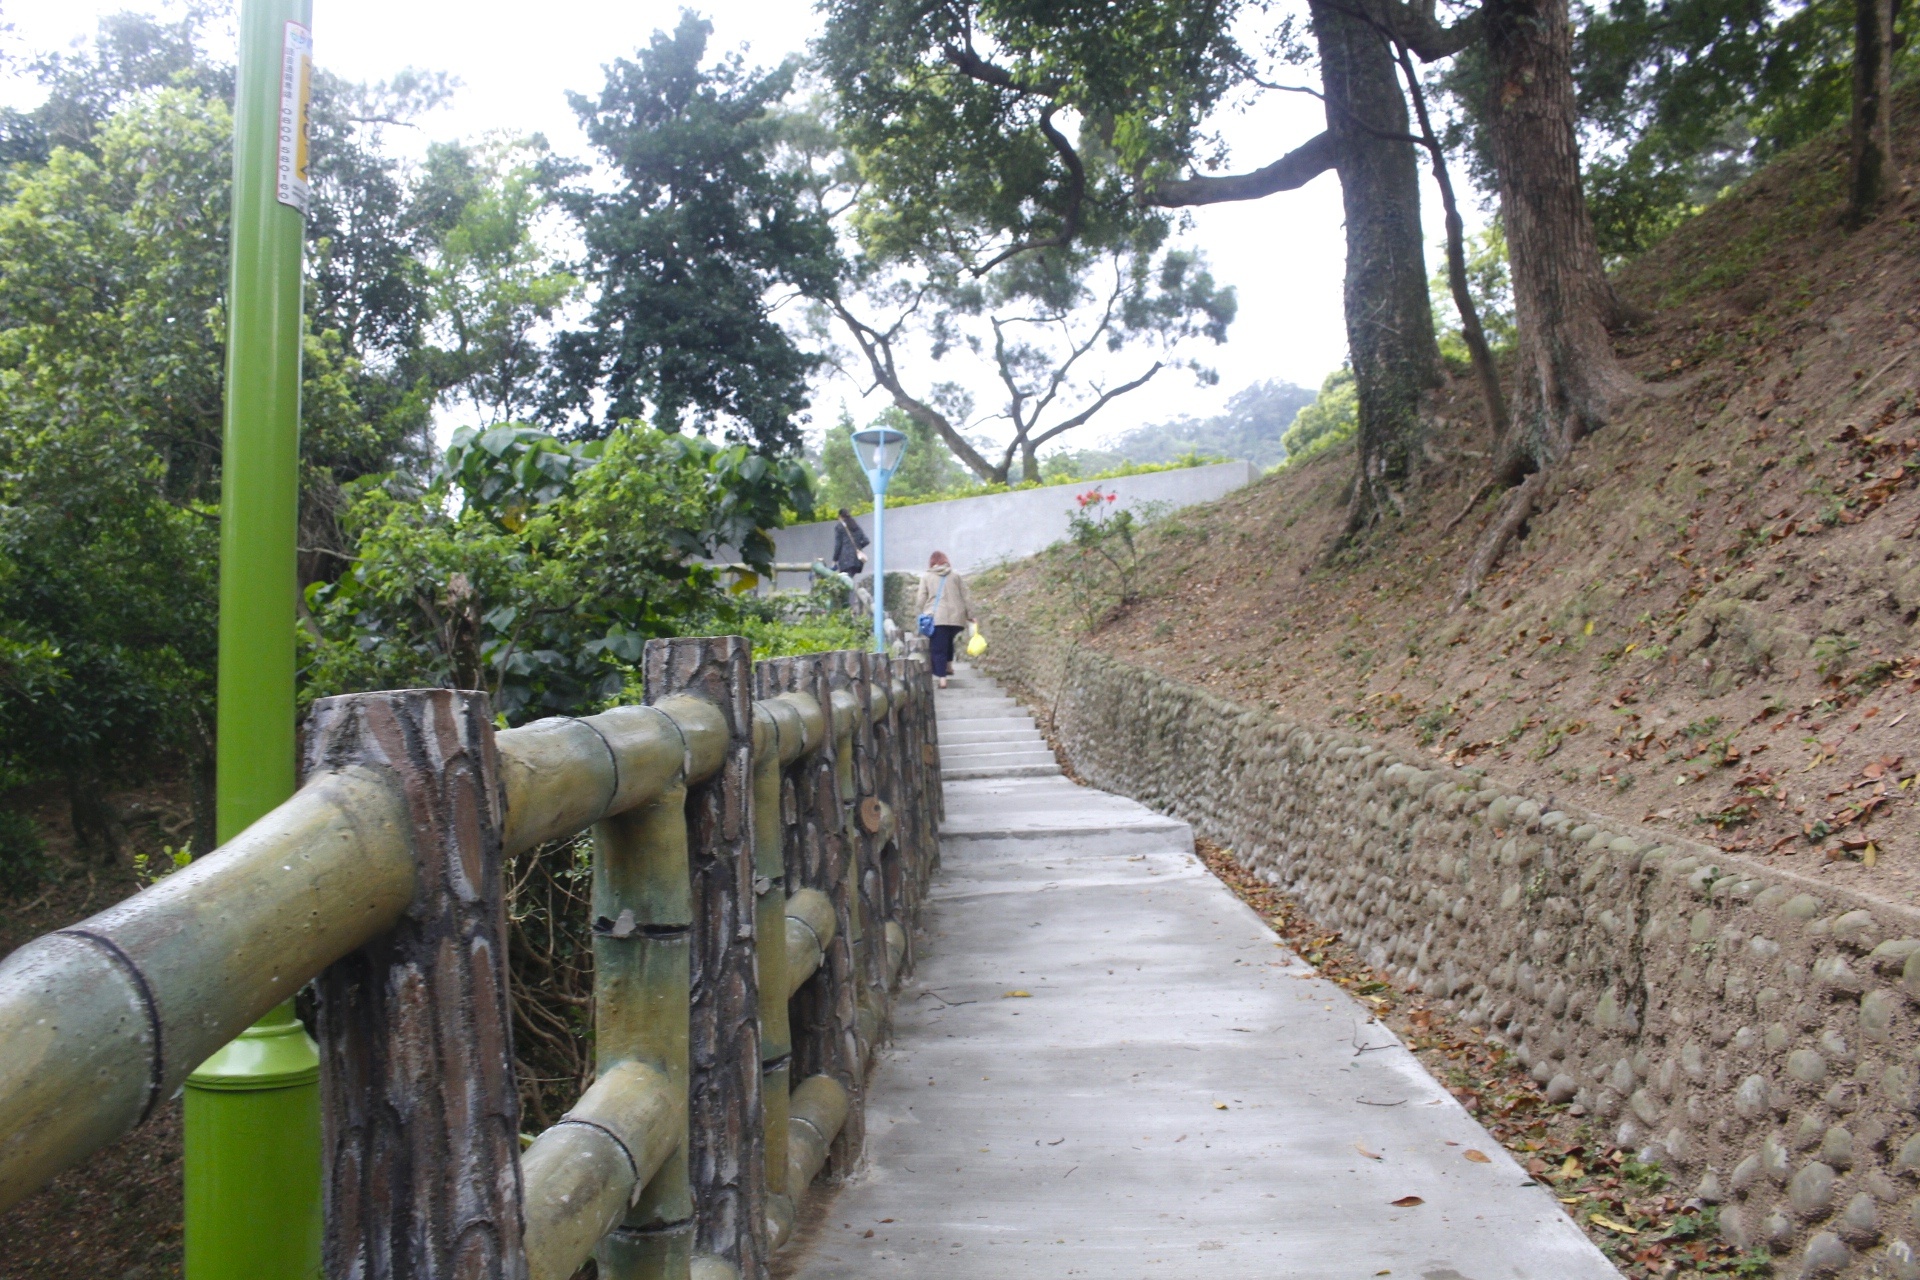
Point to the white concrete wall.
(979, 532)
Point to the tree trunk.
(1484, 369)
(1390, 338)
(1569, 382)
(1872, 158)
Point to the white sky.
(516, 62)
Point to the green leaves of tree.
(686, 253)
(1330, 420)
(536, 569)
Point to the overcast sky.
(516, 62)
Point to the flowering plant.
(1101, 560)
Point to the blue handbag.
(925, 620)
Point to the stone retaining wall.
(1752, 1030)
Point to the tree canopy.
(688, 254)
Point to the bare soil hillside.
(1709, 626)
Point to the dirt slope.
(1711, 625)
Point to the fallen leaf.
(1363, 1151)
(1571, 1169)
(868, 1234)
(1017, 995)
(1604, 1221)
(1407, 1202)
(1219, 1106)
(1478, 1157)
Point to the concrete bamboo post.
(779, 736)
(726, 1147)
(824, 1011)
(415, 1030)
(642, 955)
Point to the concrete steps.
(984, 734)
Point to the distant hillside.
(1251, 427)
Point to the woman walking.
(943, 598)
(849, 545)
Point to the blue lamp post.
(879, 450)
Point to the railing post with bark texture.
(421, 1116)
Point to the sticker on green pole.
(296, 95)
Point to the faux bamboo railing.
(762, 836)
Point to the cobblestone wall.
(1752, 1030)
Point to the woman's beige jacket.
(954, 609)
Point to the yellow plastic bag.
(977, 645)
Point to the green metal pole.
(253, 1109)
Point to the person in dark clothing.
(849, 543)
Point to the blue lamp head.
(879, 450)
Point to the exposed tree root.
(1513, 513)
(1467, 510)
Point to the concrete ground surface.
(1107, 1066)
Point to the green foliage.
(1683, 98)
(1099, 564)
(817, 622)
(1330, 420)
(687, 252)
(109, 425)
(1490, 286)
(975, 146)
(131, 53)
(545, 584)
(509, 469)
(986, 230)
(928, 469)
(492, 288)
(23, 857)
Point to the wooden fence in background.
(762, 836)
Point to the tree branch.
(878, 349)
(1076, 195)
(1470, 329)
(1106, 397)
(1295, 169)
(1421, 31)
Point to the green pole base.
(253, 1156)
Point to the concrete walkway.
(1107, 1066)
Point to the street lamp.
(879, 450)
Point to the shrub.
(23, 858)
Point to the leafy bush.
(23, 859)
(544, 581)
(1100, 561)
